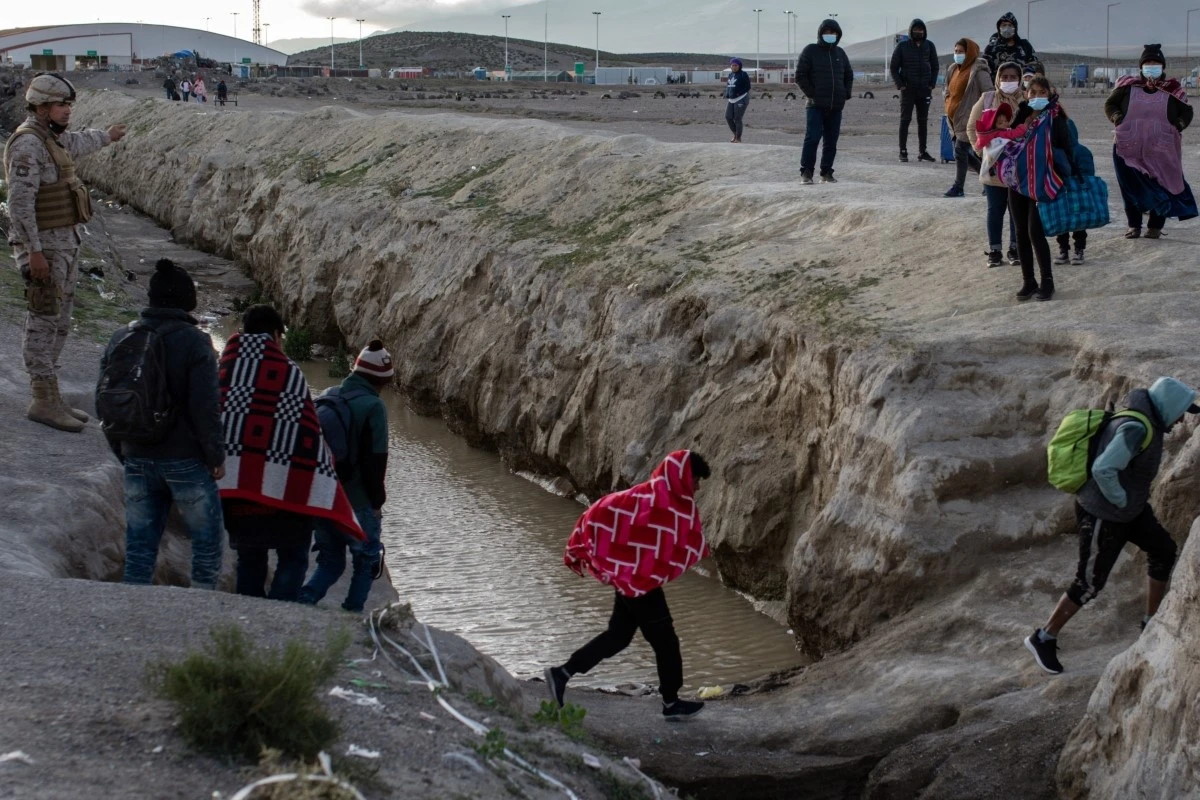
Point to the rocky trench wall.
(581, 304)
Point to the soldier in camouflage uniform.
(47, 203)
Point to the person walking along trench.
(737, 95)
(966, 82)
(1151, 111)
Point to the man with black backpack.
(159, 408)
(1112, 507)
(354, 421)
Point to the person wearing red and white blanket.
(637, 541)
(279, 473)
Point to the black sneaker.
(806, 177)
(1063, 257)
(1014, 257)
(556, 683)
(681, 710)
(926, 157)
(1045, 291)
(995, 258)
(1078, 259)
(1045, 653)
(827, 177)
(903, 156)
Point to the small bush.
(339, 367)
(297, 344)
(255, 297)
(569, 718)
(235, 699)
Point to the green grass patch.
(445, 191)
(569, 718)
(236, 699)
(347, 177)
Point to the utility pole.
(360, 58)
(1108, 29)
(1187, 48)
(234, 14)
(507, 71)
(206, 19)
(266, 34)
(758, 46)
(546, 47)
(331, 64)
(789, 14)
(1028, 29)
(597, 15)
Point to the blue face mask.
(1152, 72)
(1039, 103)
(829, 38)
(960, 58)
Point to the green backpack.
(1070, 453)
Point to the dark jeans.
(331, 561)
(997, 202)
(734, 115)
(822, 123)
(170, 93)
(962, 161)
(185, 95)
(1064, 241)
(650, 614)
(290, 568)
(1133, 215)
(1101, 542)
(918, 99)
(151, 486)
(1031, 239)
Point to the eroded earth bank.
(875, 401)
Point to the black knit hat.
(172, 287)
(1153, 52)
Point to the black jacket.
(823, 72)
(1001, 51)
(915, 66)
(192, 381)
(738, 85)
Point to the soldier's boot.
(77, 413)
(48, 410)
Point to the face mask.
(960, 58)
(1025, 83)
(1152, 72)
(1010, 87)
(918, 36)
(829, 38)
(1039, 103)
(1008, 31)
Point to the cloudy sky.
(695, 25)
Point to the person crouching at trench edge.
(637, 541)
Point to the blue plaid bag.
(1081, 204)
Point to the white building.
(99, 44)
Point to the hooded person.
(737, 95)
(1151, 112)
(1007, 45)
(637, 541)
(824, 75)
(1113, 508)
(915, 69)
(47, 205)
(967, 80)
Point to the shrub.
(339, 367)
(569, 718)
(297, 344)
(235, 699)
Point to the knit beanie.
(1153, 52)
(374, 361)
(172, 287)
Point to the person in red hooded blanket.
(637, 541)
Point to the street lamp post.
(206, 19)
(789, 14)
(506, 19)
(234, 14)
(360, 58)
(1028, 28)
(1108, 28)
(266, 34)
(596, 14)
(546, 46)
(758, 45)
(332, 67)
(1187, 47)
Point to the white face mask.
(960, 58)
(1010, 87)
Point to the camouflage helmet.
(49, 87)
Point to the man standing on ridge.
(1006, 45)
(47, 203)
(824, 74)
(1113, 508)
(915, 70)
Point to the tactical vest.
(65, 202)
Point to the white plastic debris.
(16, 755)
(590, 760)
(709, 692)
(361, 752)
(157, 750)
(356, 698)
(425, 715)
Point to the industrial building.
(101, 45)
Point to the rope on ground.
(436, 685)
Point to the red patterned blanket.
(640, 539)
(274, 452)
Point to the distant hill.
(1068, 26)
(290, 46)
(464, 51)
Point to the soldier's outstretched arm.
(24, 171)
(82, 143)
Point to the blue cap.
(733, 61)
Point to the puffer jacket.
(915, 66)
(823, 71)
(1001, 51)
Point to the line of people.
(185, 90)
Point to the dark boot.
(1028, 290)
(1046, 290)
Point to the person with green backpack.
(1109, 461)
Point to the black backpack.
(133, 400)
(337, 426)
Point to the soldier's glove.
(43, 298)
